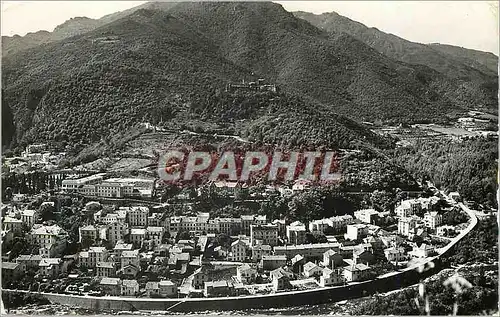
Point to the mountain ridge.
(138, 68)
(162, 62)
(393, 45)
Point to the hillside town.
(143, 250)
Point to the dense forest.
(479, 246)
(147, 65)
(469, 167)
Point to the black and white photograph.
(242, 158)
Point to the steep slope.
(120, 72)
(151, 63)
(143, 67)
(333, 67)
(72, 27)
(436, 57)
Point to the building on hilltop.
(259, 85)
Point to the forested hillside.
(130, 71)
(453, 61)
(469, 167)
(155, 62)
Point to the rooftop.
(123, 246)
(9, 266)
(28, 212)
(110, 281)
(138, 231)
(97, 249)
(166, 283)
(308, 246)
(48, 230)
(130, 254)
(49, 261)
(106, 265)
(274, 257)
(130, 283)
(309, 266)
(357, 267)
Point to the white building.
(408, 208)
(330, 277)
(358, 272)
(406, 226)
(91, 257)
(395, 254)
(155, 234)
(366, 215)
(105, 269)
(130, 258)
(238, 251)
(50, 267)
(120, 247)
(49, 236)
(167, 288)
(336, 223)
(12, 224)
(432, 219)
(28, 217)
(129, 287)
(423, 251)
(88, 233)
(296, 233)
(264, 234)
(308, 251)
(356, 232)
(137, 236)
(311, 269)
(138, 216)
(73, 184)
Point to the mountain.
(16, 43)
(168, 60)
(333, 67)
(143, 67)
(450, 60)
(72, 27)
(473, 58)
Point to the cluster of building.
(97, 185)
(35, 156)
(478, 122)
(259, 85)
(121, 244)
(416, 218)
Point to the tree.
(87, 242)
(183, 235)
(47, 212)
(383, 200)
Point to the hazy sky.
(471, 24)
